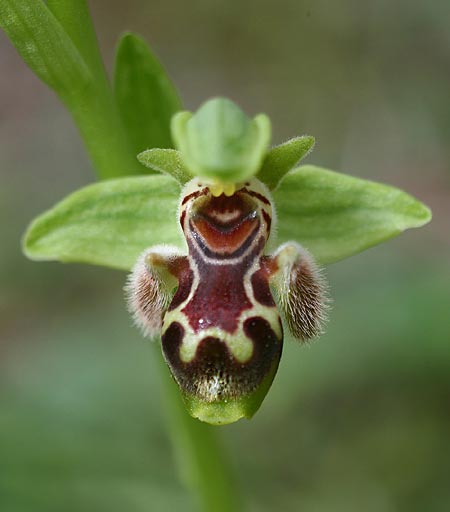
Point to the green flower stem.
(200, 457)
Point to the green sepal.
(108, 223)
(167, 161)
(224, 412)
(335, 215)
(282, 158)
(144, 94)
(220, 142)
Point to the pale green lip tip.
(226, 411)
(222, 412)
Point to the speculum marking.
(214, 373)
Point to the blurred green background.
(359, 420)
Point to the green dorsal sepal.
(220, 143)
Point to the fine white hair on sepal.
(302, 290)
(149, 288)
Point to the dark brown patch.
(171, 341)
(268, 220)
(185, 278)
(260, 286)
(194, 195)
(259, 331)
(252, 193)
(182, 217)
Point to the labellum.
(214, 306)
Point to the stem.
(199, 454)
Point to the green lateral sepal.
(284, 157)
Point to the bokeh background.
(360, 419)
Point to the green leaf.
(167, 161)
(73, 15)
(108, 223)
(44, 45)
(281, 159)
(144, 94)
(335, 216)
(220, 142)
